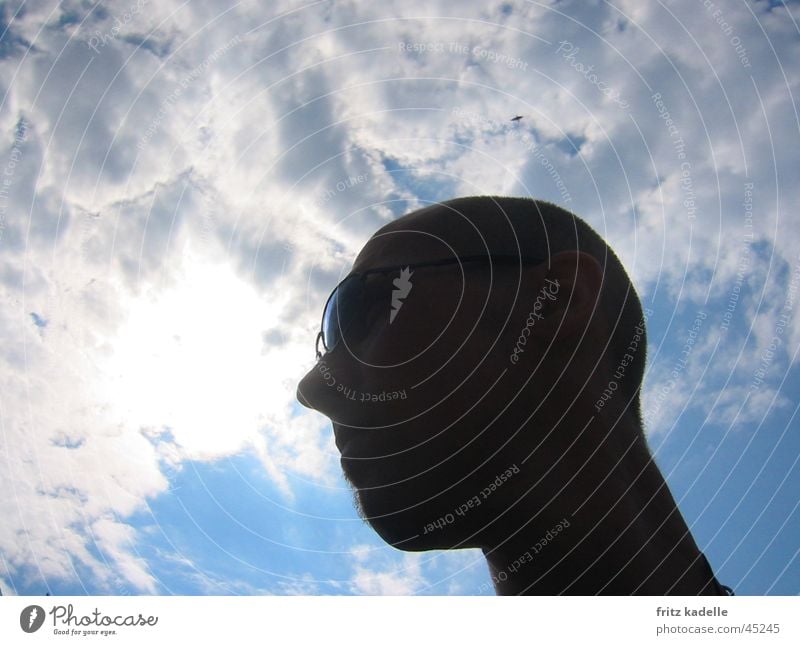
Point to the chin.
(401, 536)
(408, 530)
(398, 536)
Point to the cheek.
(411, 487)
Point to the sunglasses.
(349, 307)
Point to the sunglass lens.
(341, 310)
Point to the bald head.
(466, 329)
(522, 228)
(482, 371)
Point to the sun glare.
(189, 359)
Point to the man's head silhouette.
(481, 365)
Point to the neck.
(616, 533)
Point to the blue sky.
(185, 183)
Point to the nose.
(301, 397)
(307, 388)
(320, 388)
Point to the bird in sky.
(517, 118)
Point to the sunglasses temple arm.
(319, 337)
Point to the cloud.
(185, 196)
(377, 571)
(397, 579)
(5, 590)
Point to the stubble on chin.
(356, 499)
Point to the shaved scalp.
(528, 227)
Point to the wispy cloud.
(181, 197)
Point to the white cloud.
(175, 220)
(380, 571)
(397, 579)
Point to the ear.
(572, 288)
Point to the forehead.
(437, 232)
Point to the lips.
(350, 448)
(345, 435)
(343, 448)
(357, 471)
(342, 437)
(355, 461)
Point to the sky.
(184, 183)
